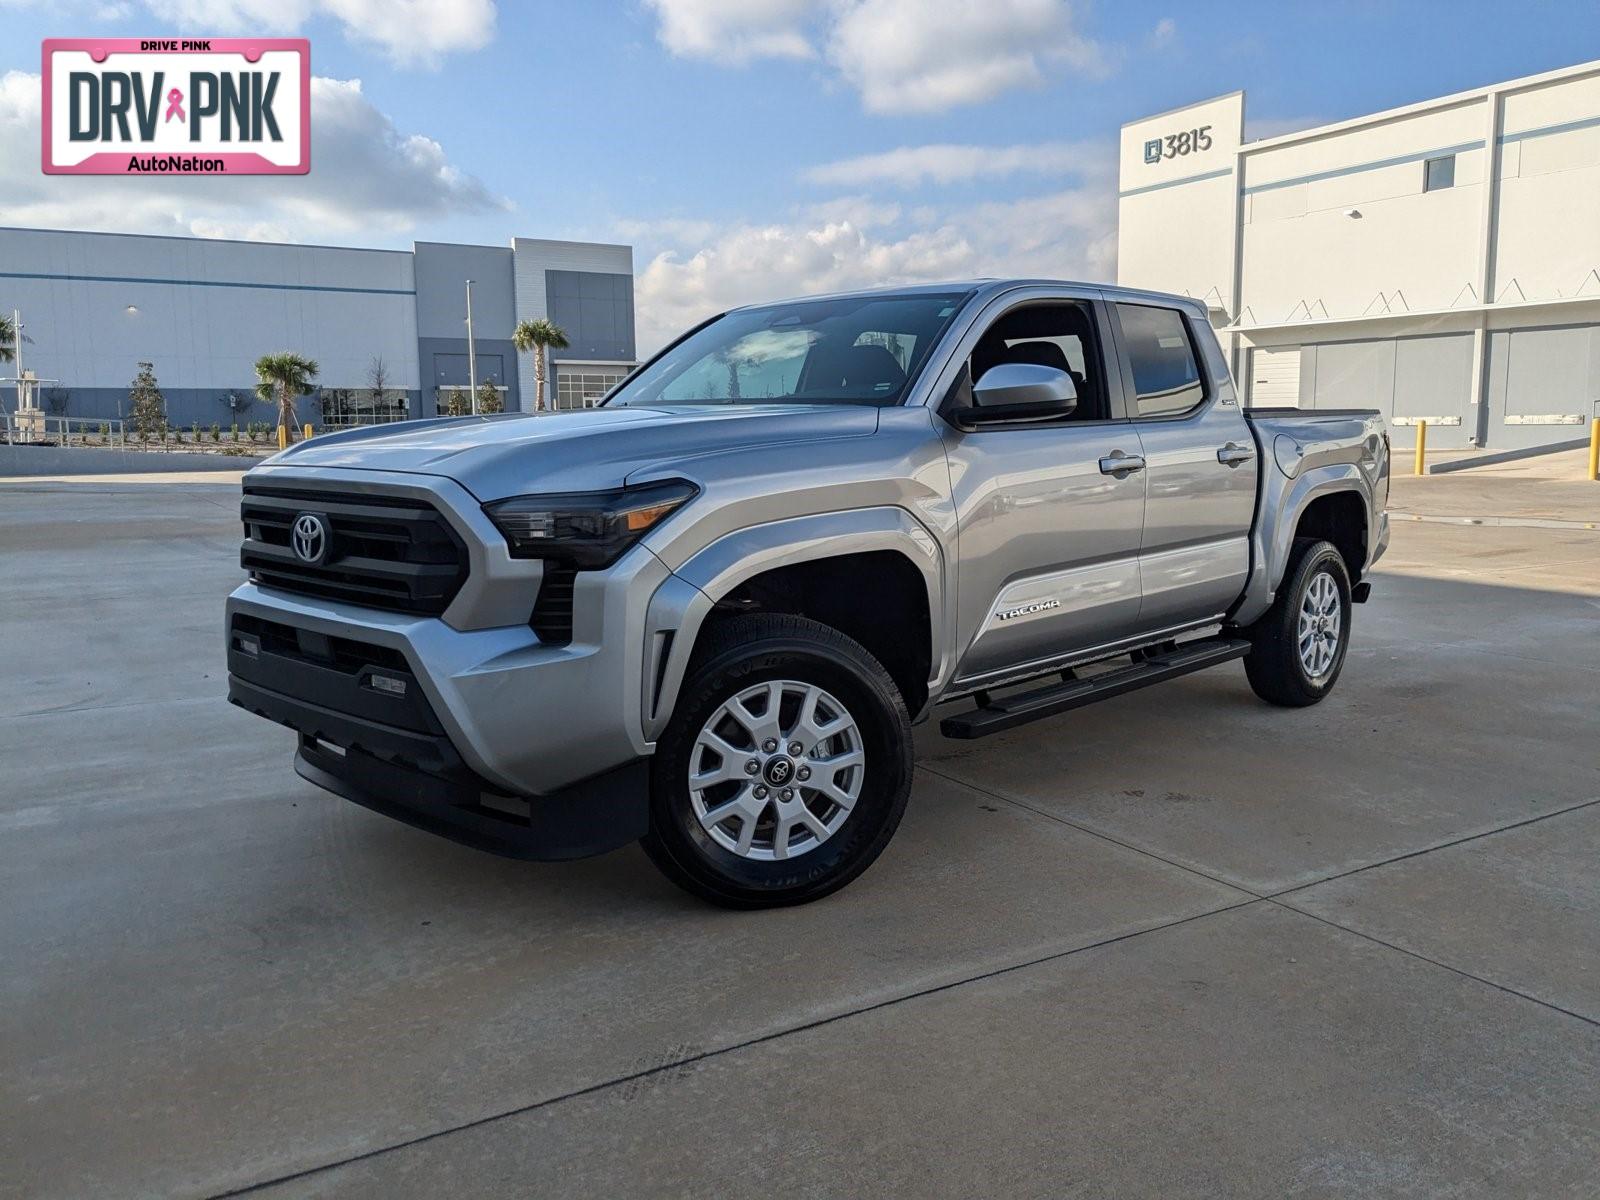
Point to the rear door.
(1048, 525)
(1200, 466)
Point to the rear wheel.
(785, 768)
(1297, 648)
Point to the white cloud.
(911, 166)
(902, 56)
(734, 32)
(1066, 234)
(409, 32)
(765, 262)
(1165, 33)
(367, 178)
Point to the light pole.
(472, 355)
(16, 352)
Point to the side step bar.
(1006, 713)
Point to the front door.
(1049, 516)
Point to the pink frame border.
(114, 162)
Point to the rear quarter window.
(1166, 375)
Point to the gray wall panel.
(442, 274)
(1355, 375)
(1548, 371)
(595, 309)
(444, 361)
(1433, 376)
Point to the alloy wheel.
(1321, 623)
(776, 770)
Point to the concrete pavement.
(1179, 943)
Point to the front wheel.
(785, 768)
(1298, 646)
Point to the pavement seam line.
(1239, 887)
(1434, 962)
(705, 1056)
(1094, 833)
(1277, 898)
(1453, 842)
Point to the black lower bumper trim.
(420, 779)
(593, 817)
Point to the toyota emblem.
(310, 538)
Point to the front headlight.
(586, 529)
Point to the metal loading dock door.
(1275, 377)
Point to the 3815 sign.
(1176, 145)
(177, 106)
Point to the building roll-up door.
(1275, 377)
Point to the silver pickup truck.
(706, 614)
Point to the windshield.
(856, 350)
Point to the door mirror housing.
(1019, 392)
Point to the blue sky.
(709, 133)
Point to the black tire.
(1274, 665)
(739, 653)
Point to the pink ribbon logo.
(175, 105)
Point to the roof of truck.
(992, 287)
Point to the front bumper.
(486, 736)
(385, 747)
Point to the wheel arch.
(1339, 517)
(1329, 502)
(849, 570)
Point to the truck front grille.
(389, 552)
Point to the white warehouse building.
(1440, 261)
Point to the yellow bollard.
(283, 438)
(308, 431)
(1594, 449)
(1422, 443)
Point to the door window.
(1166, 377)
(1050, 335)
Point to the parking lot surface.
(1179, 943)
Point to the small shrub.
(216, 434)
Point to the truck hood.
(583, 451)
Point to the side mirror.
(1019, 392)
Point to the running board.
(1010, 711)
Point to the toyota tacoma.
(705, 614)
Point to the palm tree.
(283, 376)
(8, 339)
(538, 336)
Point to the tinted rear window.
(1166, 376)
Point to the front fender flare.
(681, 604)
